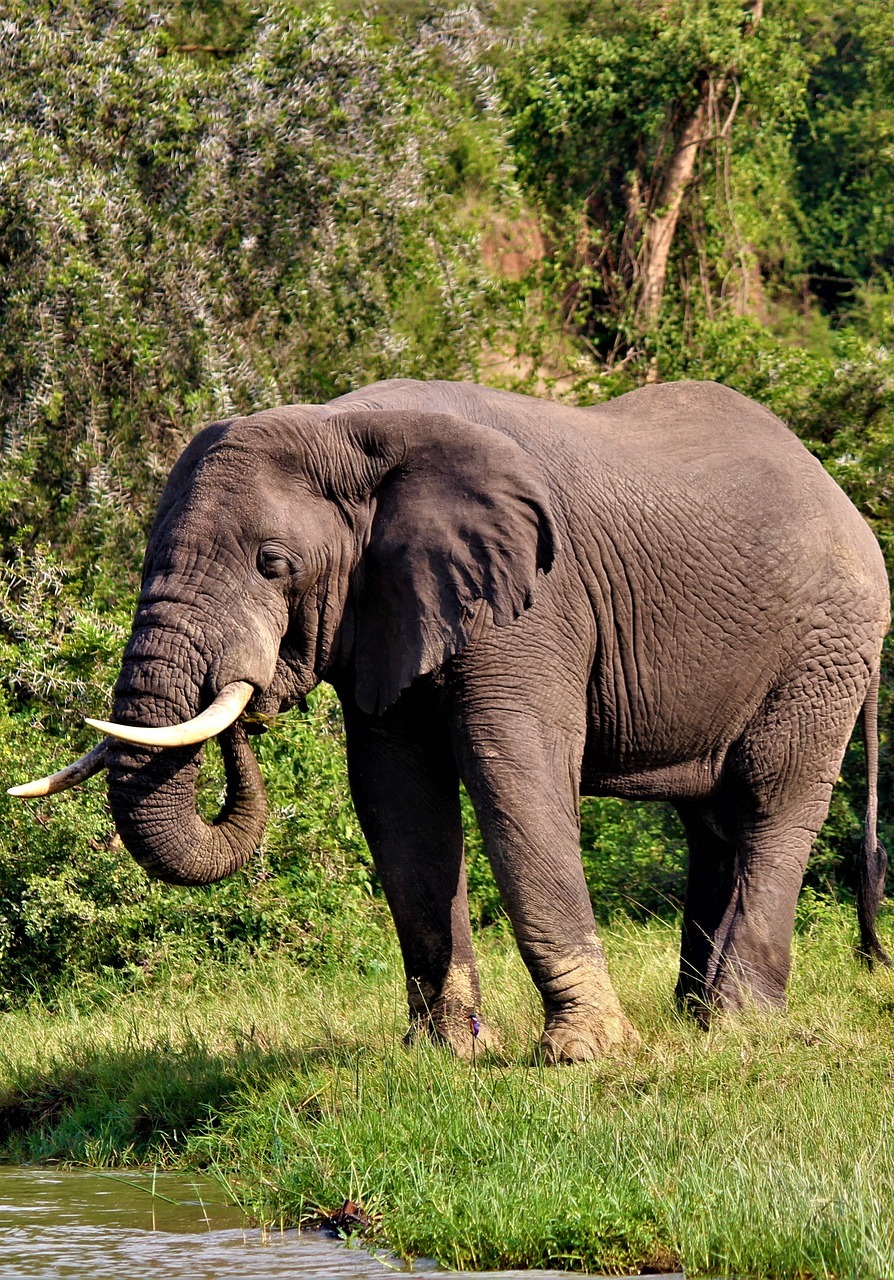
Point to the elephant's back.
(702, 445)
(691, 433)
(679, 430)
(677, 463)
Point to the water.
(91, 1226)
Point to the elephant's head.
(293, 545)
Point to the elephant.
(663, 597)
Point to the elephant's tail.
(873, 860)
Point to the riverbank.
(762, 1149)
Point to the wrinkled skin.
(661, 597)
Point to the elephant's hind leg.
(751, 956)
(406, 792)
(739, 913)
(778, 787)
(707, 908)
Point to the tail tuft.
(873, 860)
(871, 871)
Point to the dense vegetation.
(206, 208)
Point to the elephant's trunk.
(153, 799)
(152, 790)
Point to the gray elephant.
(661, 597)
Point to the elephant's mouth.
(260, 716)
(293, 679)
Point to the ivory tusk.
(70, 776)
(226, 707)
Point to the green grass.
(759, 1149)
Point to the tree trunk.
(658, 232)
(659, 222)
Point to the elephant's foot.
(747, 975)
(451, 1016)
(467, 1035)
(586, 1034)
(693, 1001)
(734, 991)
(590, 1025)
(731, 999)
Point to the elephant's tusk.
(226, 707)
(70, 776)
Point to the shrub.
(184, 240)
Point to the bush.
(184, 240)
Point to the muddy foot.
(466, 1035)
(587, 1034)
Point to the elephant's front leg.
(523, 776)
(406, 792)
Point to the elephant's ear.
(462, 515)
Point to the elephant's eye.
(274, 563)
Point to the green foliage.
(596, 107)
(790, 193)
(185, 239)
(58, 652)
(844, 145)
(634, 857)
(588, 98)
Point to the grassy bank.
(764, 1149)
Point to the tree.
(656, 210)
(623, 122)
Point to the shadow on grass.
(134, 1105)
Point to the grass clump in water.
(760, 1149)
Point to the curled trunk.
(152, 793)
